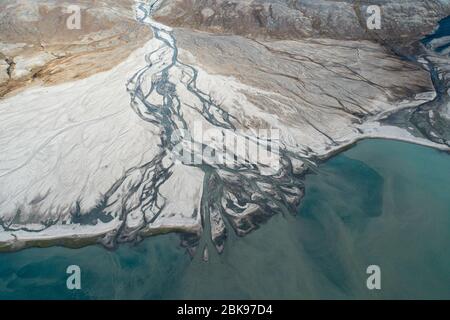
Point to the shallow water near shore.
(381, 202)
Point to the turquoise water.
(382, 202)
(443, 30)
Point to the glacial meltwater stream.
(382, 202)
(164, 94)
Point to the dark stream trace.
(225, 188)
(427, 120)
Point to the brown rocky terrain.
(36, 45)
(293, 19)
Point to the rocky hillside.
(37, 45)
(339, 19)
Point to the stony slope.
(36, 46)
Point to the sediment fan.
(80, 163)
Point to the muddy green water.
(382, 202)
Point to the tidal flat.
(382, 202)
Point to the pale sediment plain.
(90, 160)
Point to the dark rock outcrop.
(402, 21)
